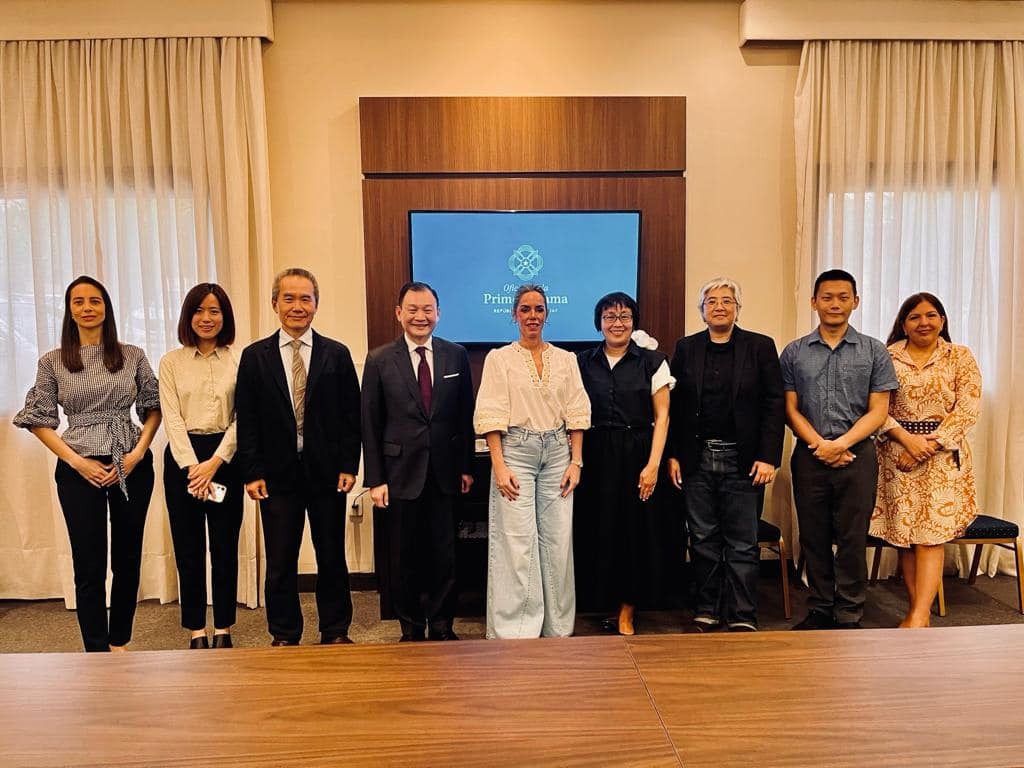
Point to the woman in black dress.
(618, 526)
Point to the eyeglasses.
(719, 302)
(622, 317)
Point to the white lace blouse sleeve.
(577, 404)
(492, 401)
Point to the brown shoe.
(339, 640)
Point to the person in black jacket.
(620, 523)
(728, 421)
(417, 422)
(297, 399)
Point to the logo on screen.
(525, 262)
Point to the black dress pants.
(85, 510)
(835, 505)
(284, 518)
(190, 518)
(422, 530)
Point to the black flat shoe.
(610, 625)
(281, 643)
(199, 642)
(222, 641)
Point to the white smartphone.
(217, 493)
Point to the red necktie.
(423, 376)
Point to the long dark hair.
(71, 344)
(186, 335)
(898, 334)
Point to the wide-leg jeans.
(531, 588)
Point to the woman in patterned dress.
(104, 461)
(532, 409)
(926, 491)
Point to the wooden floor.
(950, 696)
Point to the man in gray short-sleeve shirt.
(837, 384)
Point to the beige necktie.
(298, 385)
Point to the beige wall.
(740, 198)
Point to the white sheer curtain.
(144, 164)
(910, 174)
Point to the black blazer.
(399, 438)
(266, 419)
(758, 400)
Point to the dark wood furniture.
(950, 696)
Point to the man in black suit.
(418, 447)
(727, 421)
(297, 399)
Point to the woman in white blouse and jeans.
(532, 409)
(104, 458)
(197, 396)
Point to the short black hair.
(835, 274)
(616, 299)
(416, 286)
(186, 333)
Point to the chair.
(983, 530)
(770, 537)
(1002, 533)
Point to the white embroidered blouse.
(512, 394)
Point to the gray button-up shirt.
(833, 385)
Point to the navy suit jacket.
(266, 418)
(400, 439)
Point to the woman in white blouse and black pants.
(104, 458)
(197, 396)
(532, 409)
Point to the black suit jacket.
(266, 419)
(758, 400)
(399, 438)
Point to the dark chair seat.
(768, 532)
(986, 527)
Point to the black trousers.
(190, 518)
(835, 505)
(85, 510)
(284, 518)
(422, 540)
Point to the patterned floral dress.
(936, 500)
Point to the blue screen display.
(477, 260)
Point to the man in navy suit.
(417, 419)
(297, 398)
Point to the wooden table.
(875, 697)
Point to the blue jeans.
(722, 512)
(531, 589)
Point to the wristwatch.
(578, 463)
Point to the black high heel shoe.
(199, 642)
(222, 641)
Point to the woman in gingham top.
(103, 456)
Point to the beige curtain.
(910, 174)
(143, 163)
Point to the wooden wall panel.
(661, 199)
(523, 134)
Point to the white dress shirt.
(414, 356)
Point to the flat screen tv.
(476, 260)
